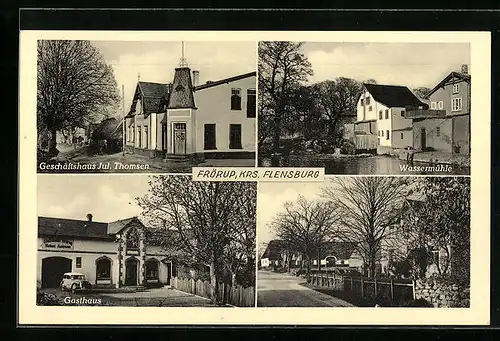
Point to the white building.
(186, 120)
(109, 254)
(381, 111)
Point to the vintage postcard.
(254, 178)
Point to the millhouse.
(109, 254)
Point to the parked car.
(75, 282)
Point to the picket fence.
(393, 291)
(234, 295)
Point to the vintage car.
(74, 281)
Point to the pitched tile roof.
(72, 228)
(154, 97)
(341, 250)
(224, 81)
(274, 249)
(393, 95)
(116, 226)
(182, 90)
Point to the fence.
(234, 295)
(366, 142)
(386, 290)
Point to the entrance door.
(163, 137)
(180, 138)
(423, 142)
(131, 271)
(209, 137)
(53, 269)
(169, 273)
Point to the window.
(382, 133)
(387, 134)
(139, 140)
(433, 105)
(146, 140)
(440, 105)
(152, 269)
(209, 137)
(401, 136)
(380, 115)
(456, 104)
(251, 110)
(133, 133)
(367, 100)
(235, 99)
(402, 113)
(370, 108)
(438, 131)
(235, 136)
(456, 88)
(386, 113)
(78, 262)
(362, 102)
(103, 268)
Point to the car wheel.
(73, 288)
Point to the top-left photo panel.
(148, 107)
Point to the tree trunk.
(53, 144)
(215, 284)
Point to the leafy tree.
(369, 210)
(336, 98)
(214, 221)
(305, 226)
(75, 86)
(282, 69)
(439, 220)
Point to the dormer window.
(456, 88)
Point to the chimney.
(196, 77)
(89, 217)
(465, 69)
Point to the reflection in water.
(357, 165)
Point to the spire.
(138, 76)
(183, 62)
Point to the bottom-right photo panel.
(364, 242)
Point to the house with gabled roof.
(113, 254)
(445, 126)
(184, 120)
(381, 111)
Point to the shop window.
(78, 262)
(152, 271)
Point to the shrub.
(347, 147)
(44, 298)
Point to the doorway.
(423, 141)
(131, 267)
(53, 269)
(180, 138)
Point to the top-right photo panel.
(365, 108)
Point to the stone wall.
(442, 293)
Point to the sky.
(411, 64)
(106, 197)
(272, 196)
(156, 61)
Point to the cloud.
(76, 205)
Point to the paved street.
(161, 297)
(283, 290)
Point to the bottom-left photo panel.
(145, 240)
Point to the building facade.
(112, 254)
(185, 120)
(446, 125)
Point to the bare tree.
(422, 92)
(282, 68)
(75, 86)
(305, 226)
(369, 210)
(213, 220)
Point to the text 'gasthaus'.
(258, 174)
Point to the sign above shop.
(53, 243)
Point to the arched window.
(103, 268)
(152, 272)
(132, 239)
